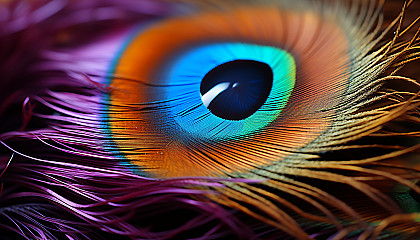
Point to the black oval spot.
(235, 90)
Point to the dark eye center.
(235, 90)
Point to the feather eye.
(168, 130)
(265, 119)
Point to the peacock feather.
(209, 119)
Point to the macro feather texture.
(188, 119)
